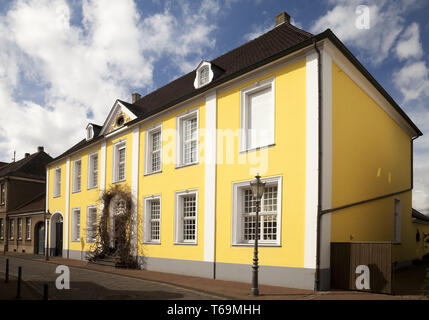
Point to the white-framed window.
(244, 213)
(119, 160)
(397, 221)
(187, 139)
(28, 228)
(1, 229)
(57, 182)
(89, 132)
(2, 194)
(204, 74)
(77, 175)
(11, 229)
(153, 152)
(76, 225)
(93, 170)
(19, 228)
(91, 224)
(258, 115)
(186, 217)
(152, 219)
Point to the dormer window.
(89, 132)
(204, 74)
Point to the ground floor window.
(152, 219)
(186, 217)
(28, 228)
(76, 224)
(1, 229)
(91, 224)
(244, 213)
(11, 229)
(19, 228)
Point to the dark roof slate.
(34, 205)
(420, 216)
(32, 166)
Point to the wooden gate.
(347, 256)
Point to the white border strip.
(134, 187)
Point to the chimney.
(40, 149)
(27, 154)
(282, 18)
(135, 97)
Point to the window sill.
(258, 148)
(119, 181)
(185, 244)
(92, 188)
(77, 191)
(59, 196)
(152, 243)
(179, 166)
(268, 245)
(152, 173)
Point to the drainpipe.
(319, 179)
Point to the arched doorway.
(56, 237)
(39, 238)
(117, 206)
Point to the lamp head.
(257, 187)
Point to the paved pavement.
(91, 284)
(89, 281)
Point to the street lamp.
(258, 188)
(47, 217)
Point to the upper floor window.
(92, 171)
(28, 228)
(153, 150)
(204, 74)
(119, 160)
(77, 175)
(186, 217)
(257, 115)
(89, 132)
(187, 142)
(91, 224)
(57, 182)
(76, 224)
(244, 213)
(2, 194)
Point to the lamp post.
(258, 188)
(47, 217)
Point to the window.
(397, 222)
(204, 74)
(76, 225)
(28, 228)
(152, 219)
(57, 182)
(257, 115)
(19, 228)
(1, 229)
(77, 175)
(2, 194)
(187, 148)
(119, 162)
(11, 229)
(153, 150)
(186, 217)
(89, 132)
(244, 215)
(92, 171)
(91, 224)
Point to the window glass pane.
(156, 151)
(204, 75)
(94, 181)
(155, 214)
(121, 164)
(189, 214)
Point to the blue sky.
(63, 63)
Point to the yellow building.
(333, 147)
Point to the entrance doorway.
(39, 243)
(56, 237)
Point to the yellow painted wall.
(166, 183)
(371, 157)
(287, 158)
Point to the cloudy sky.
(63, 63)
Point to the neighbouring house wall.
(371, 157)
(21, 192)
(24, 244)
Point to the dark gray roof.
(420, 216)
(32, 166)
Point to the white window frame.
(178, 221)
(237, 210)
(147, 235)
(57, 182)
(88, 220)
(76, 237)
(121, 144)
(2, 193)
(77, 185)
(19, 235)
(180, 144)
(91, 171)
(28, 228)
(201, 67)
(397, 221)
(149, 149)
(244, 113)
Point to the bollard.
(18, 287)
(45, 292)
(6, 276)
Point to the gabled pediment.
(119, 115)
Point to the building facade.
(22, 204)
(333, 147)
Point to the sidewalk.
(220, 288)
(8, 290)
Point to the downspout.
(319, 178)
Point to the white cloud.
(409, 45)
(83, 69)
(412, 81)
